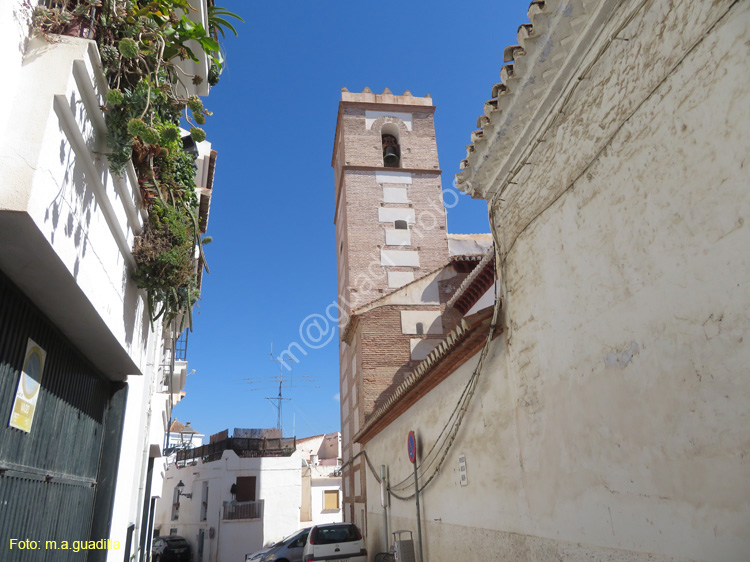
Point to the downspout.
(384, 503)
(142, 479)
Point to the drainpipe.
(384, 503)
(145, 455)
(419, 518)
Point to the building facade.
(607, 419)
(397, 265)
(238, 494)
(86, 382)
(321, 479)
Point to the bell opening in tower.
(391, 151)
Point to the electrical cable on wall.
(461, 408)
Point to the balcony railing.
(243, 510)
(244, 447)
(180, 346)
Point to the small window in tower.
(401, 225)
(420, 328)
(341, 248)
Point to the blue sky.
(273, 258)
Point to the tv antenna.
(266, 383)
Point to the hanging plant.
(141, 44)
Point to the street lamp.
(186, 436)
(179, 487)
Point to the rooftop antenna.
(280, 378)
(282, 382)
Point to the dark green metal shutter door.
(48, 477)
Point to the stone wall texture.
(610, 419)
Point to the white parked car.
(335, 542)
(288, 549)
(255, 556)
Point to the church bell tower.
(390, 232)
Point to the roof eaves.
(487, 261)
(538, 69)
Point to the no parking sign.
(412, 446)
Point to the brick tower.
(390, 234)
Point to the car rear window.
(177, 543)
(339, 533)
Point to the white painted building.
(243, 493)
(109, 380)
(607, 420)
(321, 479)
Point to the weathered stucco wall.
(613, 426)
(486, 438)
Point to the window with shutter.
(245, 489)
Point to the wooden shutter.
(245, 488)
(330, 499)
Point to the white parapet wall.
(60, 202)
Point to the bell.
(390, 157)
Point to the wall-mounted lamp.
(179, 487)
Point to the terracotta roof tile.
(476, 283)
(536, 63)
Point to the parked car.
(170, 548)
(255, 556)
(335, 541)
(288, 549)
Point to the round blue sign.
(412, 444)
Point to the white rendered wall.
(400, 237)
(390, 214)
(67, 228)
(430, 319)
(395, 195)
(399, 278)
(399, 258)
(320, 515)
(59, 191)
(279, 484)
(13, 35)
(613, 424)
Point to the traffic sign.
(412, 445)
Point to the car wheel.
(156, 558)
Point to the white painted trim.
(395, 195)
(393, 177)
(397, 238)
(372, 116)
(389, 214)
(396, 258)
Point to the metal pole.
(384, 501)
(419, 520)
